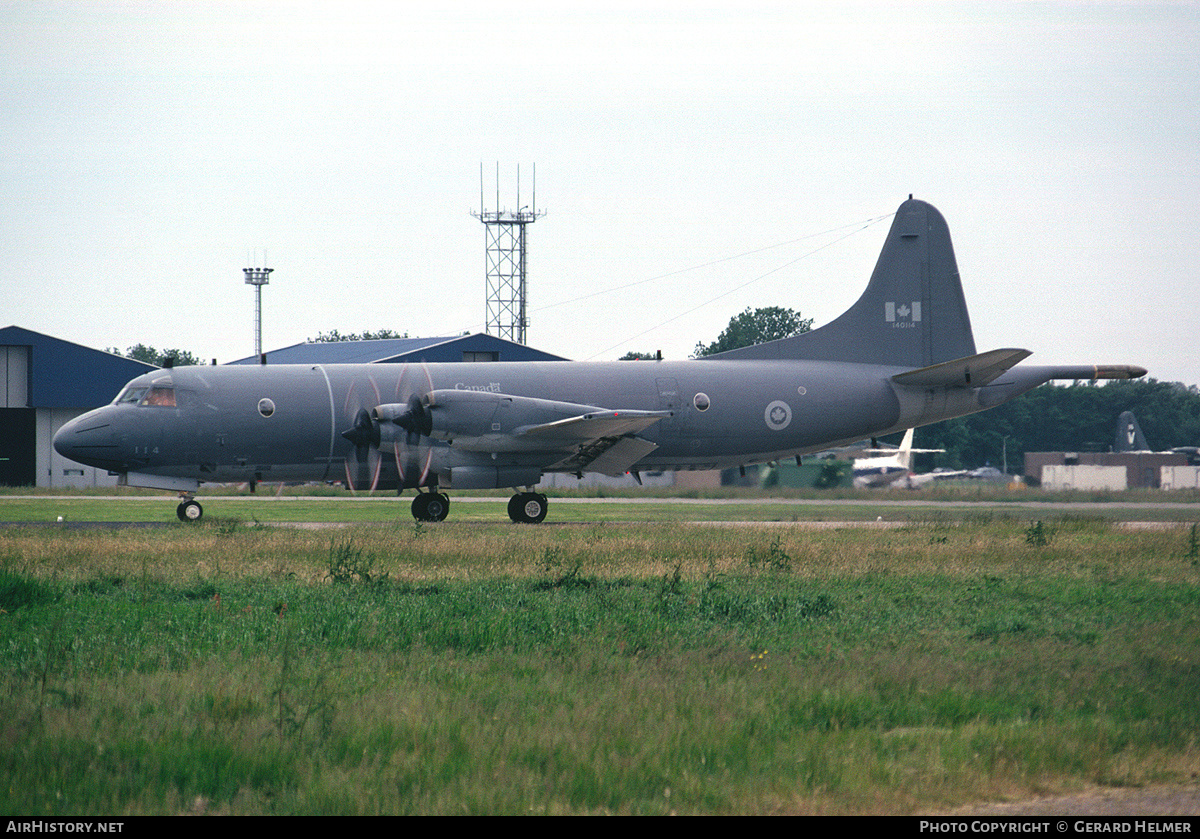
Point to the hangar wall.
(1142, 469)
(44, 382)
(1180, 477)
(1056, 476)
(14, 373)
(17, 463)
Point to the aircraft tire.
(431, 506)
(528, 507)
(189, 511)
(438, 507)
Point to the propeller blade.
(363, 464)
(414, 455)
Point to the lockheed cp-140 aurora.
(902, 356)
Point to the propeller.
(364, 461)
(413, 448)
(401, 426)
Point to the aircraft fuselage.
(286, 422)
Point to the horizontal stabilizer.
(972, 371)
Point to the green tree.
(333, 336)
(150, 355)
(756, 327)
(638, 356)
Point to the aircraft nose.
(88, 439)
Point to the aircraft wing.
(608, 456)
(594, 425)
(604, 441)
(572, 436)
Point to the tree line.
(1079, 417)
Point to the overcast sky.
(693, 159)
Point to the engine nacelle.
(477, 419)
(489, 477)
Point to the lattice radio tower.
(506, 260)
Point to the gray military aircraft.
(902, 356)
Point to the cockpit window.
(156, 396)
(131, 396)
(160, 397)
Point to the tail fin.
(913, 313)
(906, 449)
(1129, 434)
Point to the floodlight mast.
(257, 277)
(505, 247)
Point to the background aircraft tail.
(913, 313)
(1129, 434)
(906, 449)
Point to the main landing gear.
(189, 510)
(528, 507)
(430, 506)
(523, 508)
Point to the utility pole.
(505, 245)
(257, 277)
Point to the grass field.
(604, 667)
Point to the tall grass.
(597, 669)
